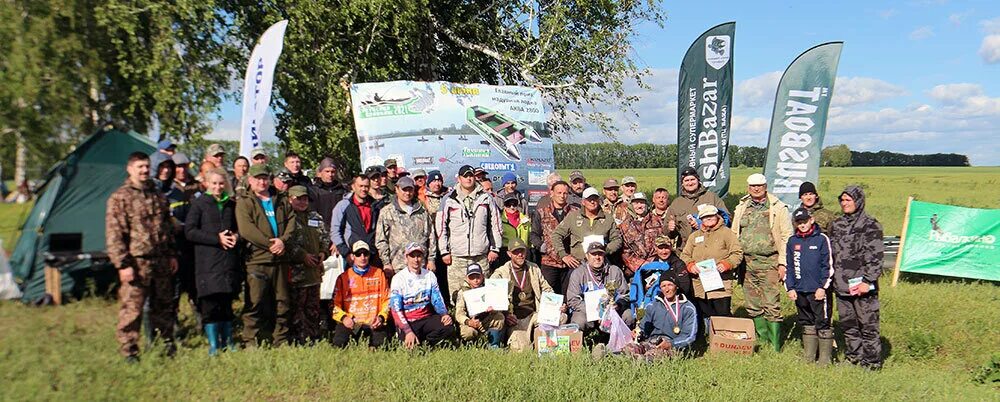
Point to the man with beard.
(811, 202)
(544, 220)
(684, 208)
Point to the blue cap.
(164, 144)
(509, 177)
(434, 175)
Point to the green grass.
(937, 344)
(885, 187)
(11, 216)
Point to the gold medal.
(677, 330)
(522, 296)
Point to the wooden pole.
(53, 284)
(902, 241)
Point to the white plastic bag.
(332, 268)
(620, 335)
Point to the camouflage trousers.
(859, 318)
(763, 288)
(153, 281)
(306, 314)
(267, 305)
(487, 321)
(456, 273)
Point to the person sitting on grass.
(669, 325)
(489, 323)
(361, 301)
(810, 273)
(416, 302)
(596, 274)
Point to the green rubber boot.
(825, 347)
(775, 332)
(760, 325)
(810, 343)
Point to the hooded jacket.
(809, 262)
(687, 204)
(856, 242)
(641, 295)
(468, 232)
(778, 217)
(658, 322)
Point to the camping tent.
(69, 214)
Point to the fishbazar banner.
(442, 125)
(950, 241)
(705, 108)
(798, 123)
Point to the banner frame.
(902, 242)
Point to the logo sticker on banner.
(717, 50)
(499, 128)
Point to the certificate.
(548, 313)
(480, 299)
(592, 302)
(709, 275)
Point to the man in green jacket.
(309, 248)
(266, 221)
(588, 221)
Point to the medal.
(677, 330)
(520, 283)
(675, 314)
(522, 296)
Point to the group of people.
(414, 247)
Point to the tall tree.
(576, 52)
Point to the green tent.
(70, 207)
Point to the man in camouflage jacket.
(401, 221)
(309, 247)
(139, 244)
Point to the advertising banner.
(257, 85)
(951, 241)
(442, 126)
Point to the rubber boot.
(809, 343)
(212, 333)
(760, 324)
(496, 338)
(226, 335)
(775, 332)
(825, 347)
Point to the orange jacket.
(361, 297)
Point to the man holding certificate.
(712, 246)
(525, 292)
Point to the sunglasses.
(510, 204)
(467, 175)
(361, 253)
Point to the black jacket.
(856, 245)
(216, 270)
(324, 197)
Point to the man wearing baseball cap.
(715, 242)
(577, 183)
(402, 221)
(309, 247)
(611, 201)
(215, 154)
(595, 273)
(417, 306)
(809, 278)
(569, 236)
(629, 186)
(684, 207)
(525, 287)
(420, 181)
(361, 301)
(763, 226)
(488, 323)
(164, 150)
(468, 229)
(258, 156)
(391, 169)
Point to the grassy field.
(886, 187)
(939, 334)
(11, 217)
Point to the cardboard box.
(566, 341)
(732, 335)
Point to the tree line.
(656, 156)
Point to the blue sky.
(917, 76)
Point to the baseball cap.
(628, 180)
(516, 244)
(257, 152)
(360, 245)
(466, 169)
(689, 171)
(707, 210)
(259, 170)
(389, 163)
(165, 144)
(405, 182)
(180, 159)
(801, 214)
(371, 171)
(297, 191)
(284, 175)
(418, 173)
(639, 196)
(590, 192)
(473, 269)
(611, 183)
(478, 171)
(401, 171)
(512, 196)
(576, 175)
(413, 247)
(664, 240)
(508, 177)
(214, 149)
(595, 247)
(434, 175)
(756, 179)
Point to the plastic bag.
(332, 268)
(620, 335)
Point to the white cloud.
(886, 14)
(860, 90)
(954, 93)
(757, 91)
(956, 19)
(991, 26)
(990, 49)
(922, 33)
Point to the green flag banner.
(799, 121)
(951, 241)
(705, 108)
